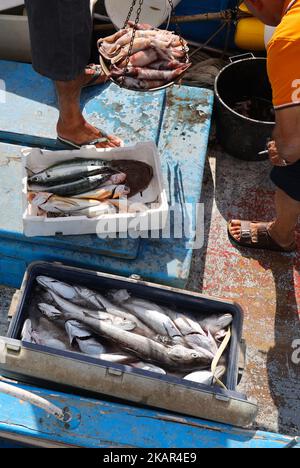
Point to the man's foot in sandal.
(93, 75)
(259, 235)
(82, 134)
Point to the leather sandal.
(258, 238)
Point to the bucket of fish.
(245, 115)
(93, 191)
(128, 339)
(145, 58)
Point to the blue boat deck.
(266, 285)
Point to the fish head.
(75, 330)
(123, 324)
(36, 179)
(50, 312)
(225, 320)
(118, 178)
(180, 354)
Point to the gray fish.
(80, 314)
(71, 170)
(27, 333)
(151, 314)
(87, 344)
(206, 377)
(83, 185)
(174, 357)
(51, 335)
(82, 296)
(148, 367)
(216, 322)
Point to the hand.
(274, 155)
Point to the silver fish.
(148, 367)
(206, 377)
(174, 357)
(71, 170)
(106, 192)
(80, 314)
(55, 204)
(87, 344)
(216, 322)
(51, 335)
(151, 314)
(27, 333)
(72, 188)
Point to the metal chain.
(178, 32)
(134, 29)
(129, 14)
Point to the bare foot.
(81, 132)
(285, 242)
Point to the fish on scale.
(151, 60)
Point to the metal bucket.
(241, 136)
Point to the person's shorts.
(60, 32)
(287, 178)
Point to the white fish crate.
(107, 225)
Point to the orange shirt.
(284, 58)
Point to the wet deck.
(267, 285)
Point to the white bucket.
(154, 12)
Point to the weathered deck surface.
(266, 284)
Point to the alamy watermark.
(2, 92)
(296, 352)
(296, 92)
(183, 223)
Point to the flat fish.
(138, 174)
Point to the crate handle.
(62, 415)
(242, 56)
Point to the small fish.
(27, 333)
(107, 192)
(215, 322)
(51, 335)
(148, 367)
(55, 204)
(151, 315)
(174, 357)
(81, 315)
(206, 377)
(87, 344)
(97, 211)
(71, 170)
(72, 188)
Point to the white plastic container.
(154, 12)
(153, 219)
